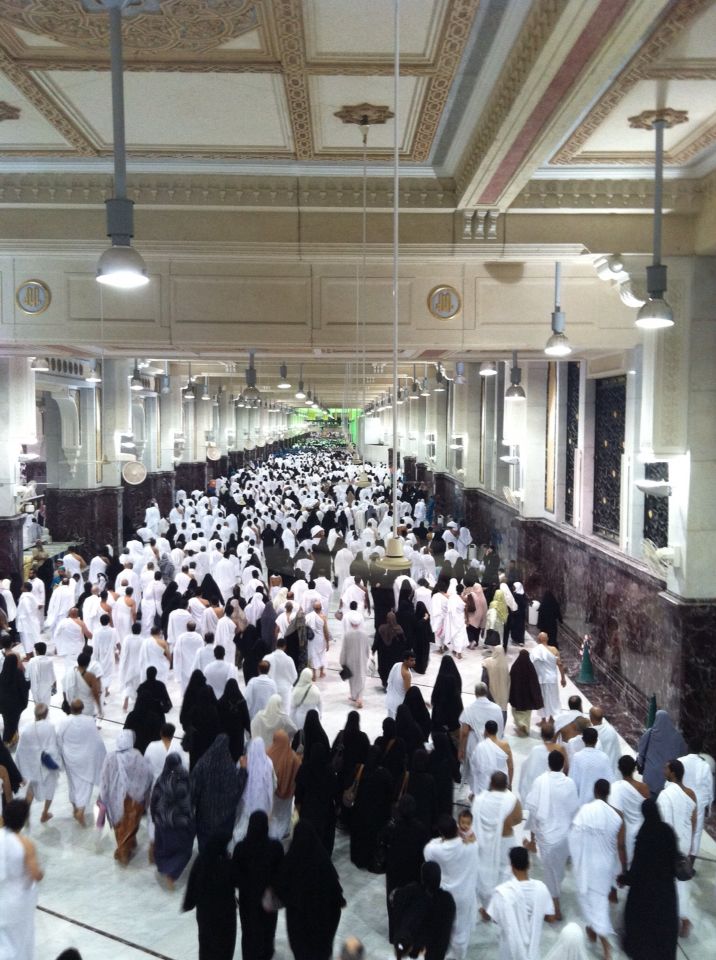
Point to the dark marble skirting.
(191, 476)
(90, 517)
(11, 559)
(644, 640)
(159, 486)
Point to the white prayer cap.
(5, 584)
(316, 530)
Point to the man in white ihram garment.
(608, 737)
(551, 806)
(458, 863)
(472, 726)
(495, 813)
(40, 671)
(626, 796)
(399, 681)
(589, 765)
(550, 674)
(186, 647)
(677, 806)
(283, 673)
(83, 754)
(26, 619)
(219, 672)
(596, 840)
(490, 754)
(39, 738)
(698, 777)
(519, 907)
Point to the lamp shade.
(122, 267)
(394, 558)
(656, 314)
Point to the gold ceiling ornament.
(668, 116)
(172, 25)
(364, 114)
(8, 112)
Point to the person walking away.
(20, 873)
(210, 891)
(256, 864)
(519, 907)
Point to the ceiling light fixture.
(94, 376)
(250, 390)
(136, 383)
(283, 383)
(515, 391)
(488, 369)
(120, 266)
(439, 380)
(558, 345)
(205, 395)
(656, 313)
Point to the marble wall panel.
(190, 476)
(89, 517)
(11, 546)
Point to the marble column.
(17, 414)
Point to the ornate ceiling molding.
(673, 21)
(196, 27)
(450, 49)
(200, 191)
(680, 196)
(288, 19)
(535, 32)
(49, 110)
(8, 111)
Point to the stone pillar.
(116, 417)
(170, 414)
(89, 517)
(473, 425)
(17, 416)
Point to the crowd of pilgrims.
(235, 584)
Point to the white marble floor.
(88, 901)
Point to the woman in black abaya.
(420, 713)
(651, 917)
(423, 636)
(446, 699)
(445, 769)
(309, 888)
(408, 731)
(210, 890)
(389, 645)
(421, 787)
(405, 842)
(371, 811)
(316, 794)
(234, 718)
(257, 861)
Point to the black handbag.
(683, 870)
(48, 761)
(65, 704)
(345, 673)
(492, 638)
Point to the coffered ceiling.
(492, 92)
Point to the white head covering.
(259, 785)
(125, 773)
(519, 590)
(570, 946)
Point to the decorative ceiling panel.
(23, 127)
(169, 111)
(329, 94)
(341, 30)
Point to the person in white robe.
(306, 696)
(186, 647)
(677, 806)
(551, 806)
(152, 603)
(589, 765)
(38, 739)
(124, 613)
(225, 633)
(596, 840)
(495, 812)
(38, 592)
(698, 777)
(472, 726)
(283, 673)
(97, 568)
(454, 624)
(69, 639)
(627, 795)
(458, 864)
(225, 576)
(489, 756)
(92, 610)
(219, 672)
(105, 640)
(83, 754)
(550, 674)
(609, 740)
(355, 651)
(438, 615)
(129, 664)
(519, 907)
(259, 689)
(62, 599)
(40, 671)
(26, 621)
(319, 644)
(399, 681)
(155, 653)
(19, 876)
(177, 624)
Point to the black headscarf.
(171, 805)
(420, 714)
(234, 717)
(447, 696)
(314, 733)
(525, 692)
